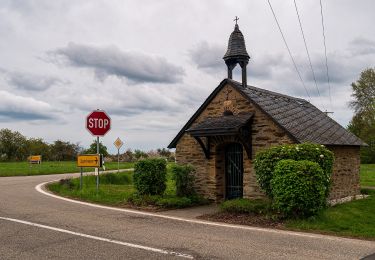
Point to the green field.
(25, 169)
(368, 175)
(117, 189)
(353, 219)
(114, 189)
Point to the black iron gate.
(234, 171)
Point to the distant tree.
(92, 149)
(139, 154)
(164, 152)
(13, 145)
(167, 154)
(64, 151)
(127, 156)
(363, 121)
(36, 146)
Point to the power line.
(290, 54)
(325, 53)
(307, 50)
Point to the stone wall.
(210, 181)
(345, 176)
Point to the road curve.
(36, 226)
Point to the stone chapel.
(236, 121)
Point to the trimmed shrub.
(258, 206)
(184, 177)
(265, 161)
(299, 188)
(150, 176)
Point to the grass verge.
(116, 189)
(353, 219)
(24, 168)
(368, 175)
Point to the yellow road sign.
(88, 160)
(118, 143)
(34, 158)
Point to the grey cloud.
(106, 61)
(18, 108)
(31, 82)
(362, 46)
(208, 57)
(342, 69)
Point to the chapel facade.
(236, 121)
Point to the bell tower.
(236, 53)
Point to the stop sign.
(98, 123)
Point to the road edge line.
(40, 189)
(146, 248)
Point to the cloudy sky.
(150, 64)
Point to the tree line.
(363, 121)
(16, 147)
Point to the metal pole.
(118, 160)
(97, 151)
(80, 181)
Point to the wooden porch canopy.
(226, 125)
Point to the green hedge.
(299, 188)
(266, 161)
(150, 176)
(184, 177)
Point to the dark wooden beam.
(205, 147)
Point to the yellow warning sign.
(88, 160)
(34, 158)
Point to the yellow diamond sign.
(118, 143)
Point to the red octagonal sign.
(98, 123)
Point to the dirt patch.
(244, 219)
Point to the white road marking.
(152, 249)
(209, 223)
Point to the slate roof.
(236, 45)
(302, 121)
(226, 124)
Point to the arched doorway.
(233, 171)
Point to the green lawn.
(354, 219)
(116, 189)
(24, 168)
(368, 175)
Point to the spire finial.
(236, 19)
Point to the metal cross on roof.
(236, 19)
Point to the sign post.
(118, 143)
(98, 123)
(88, 160)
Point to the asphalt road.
(36, 226)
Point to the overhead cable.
(290, 54)
(307, 50)
(325, 53)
